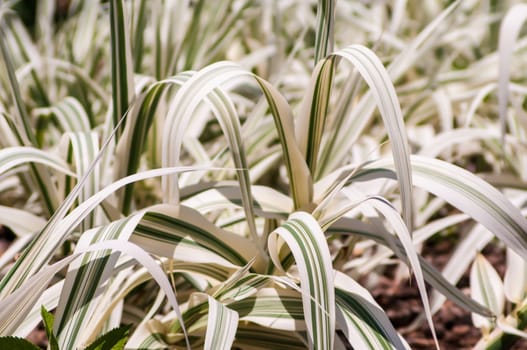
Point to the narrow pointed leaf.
(307, 243)
(509, 31)
(487, 288)
(221, 326)
(122, 66)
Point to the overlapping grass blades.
(261, 261)
(307, 243)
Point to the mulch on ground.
(453, 324)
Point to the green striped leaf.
(276, 308)
(307, 243)
(182, 107)
(392, 217)
(465, 191)
(25, 130)
(487, 288)
(121, 57)
(13, 157)
(363, 321)
(298, 172)
(221, 326)
(324, 30)
(139, 121)
(431, 274)
(515, 280)
(509, 30)
(84, 282)
(49, 299)
(84, 31)
(361, 114)
(186, 100)
(170, 230)
(70, 115)
(22, 117)
(315, 110)
(83, 148)
(140, 24)
(382, 88)
(251, 337)
(207, 197)
(42, 248)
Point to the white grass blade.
(361, 114)
(509, 31)
(515, 280)
(49, 299)
(43, 247)
(377, 78)
(260, 338)
(21, 222)
(84, 147)
(70, 115)
(363, 321)
(15, 307)
(121, 57)
(324, 31)
(393, 218)
(308, 245)
(465, 191)
(170, 230)
(139, 121)
(221, 326)
(22, 117)
(297, 170)
(432, 276)
(85, 280)
(206, 198)
(486, 287)
(206, 83)
(12, 157)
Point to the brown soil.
(453, 324)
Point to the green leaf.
(112, 340)
(221, 326)
(362, 320)
(17, 343)
(23, 121)
(486, 287)
(509, 31)
(324, 36)
(122, 75)
(304, 237)
(42, 248)
(432, 275)
(48, 320)
(515, 280)
(139, 120)
(465, 191)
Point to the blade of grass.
(308, 245)
(121, 57)
(221, 326)
(509, 31)
(324, 29)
